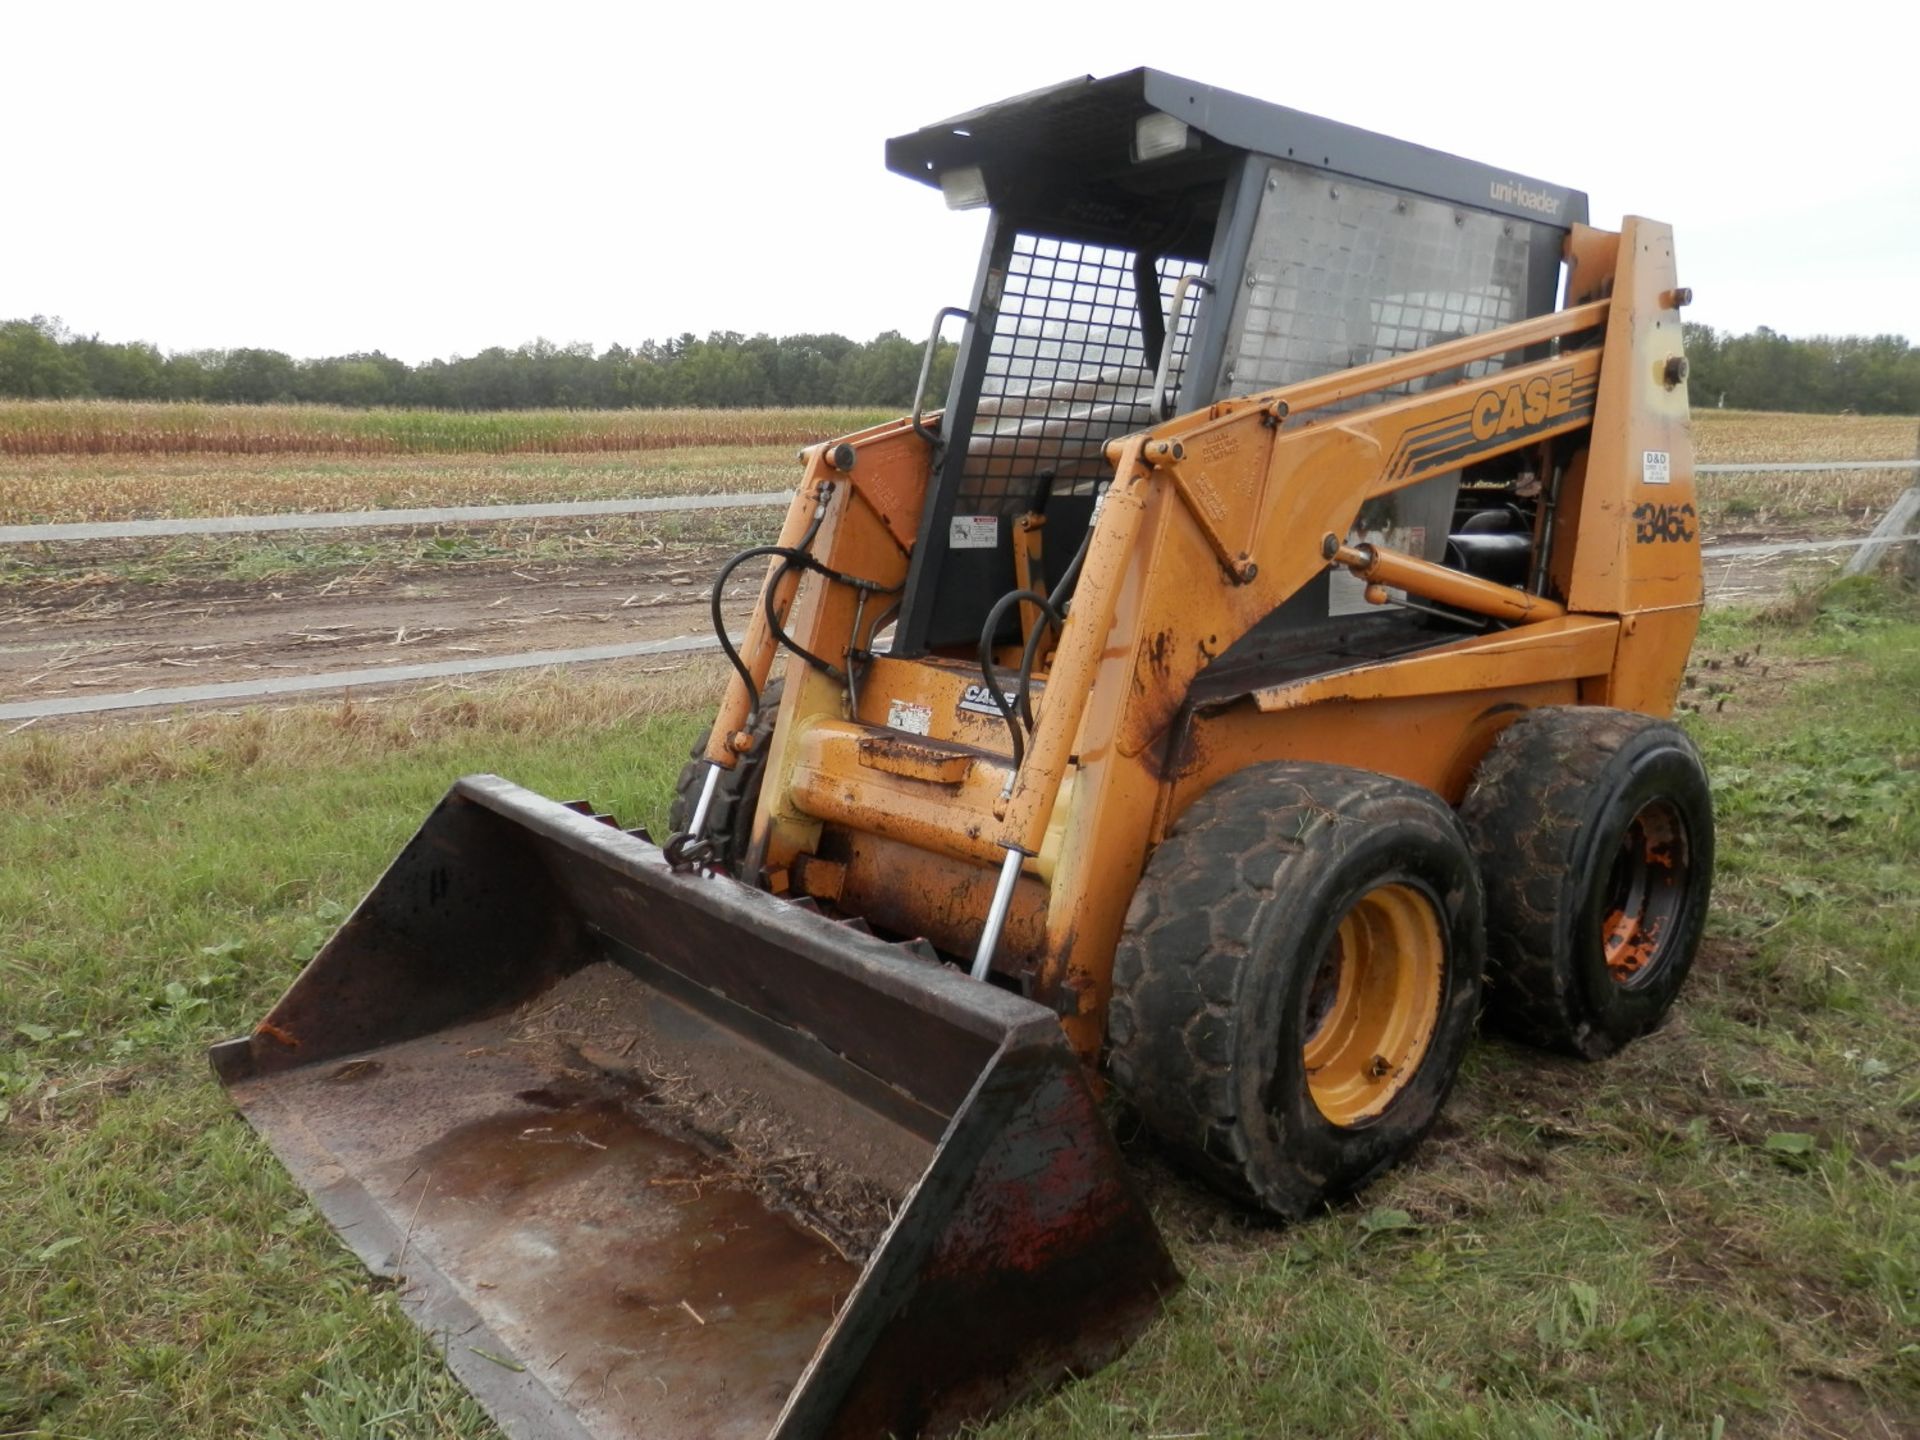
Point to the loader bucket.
(654, 1153)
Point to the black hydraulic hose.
(720, 622)
(1057, 602)
(787, 553)
(1059, 594)
(991, 677)
(792, 557)
(780, 636)
(807, 562)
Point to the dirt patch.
(1845, 1411)
(77, 634)
(1755, 677)
(83, 634)
(761, 1137)
(119, 637)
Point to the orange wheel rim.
(1374, 1004)
(1646, 890)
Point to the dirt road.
(68, 637)
(63, 640)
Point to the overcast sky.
(433, 179)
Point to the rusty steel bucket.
(654, 1153)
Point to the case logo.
(978, 700)
(1543, 398)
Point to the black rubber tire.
(736, 796)
(1549, 812)
(1223, 940)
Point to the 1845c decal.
(1659, 524)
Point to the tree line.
(1764, 370)
(1827, 374)
(40, 359)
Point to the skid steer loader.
(1274, 628)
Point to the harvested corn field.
(105, 427)
(107, 617)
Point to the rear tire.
(1297, 981)
(737, 793)
(1594, 832)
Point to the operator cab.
(1156, 245)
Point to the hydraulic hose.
(991, 677)
(780, 636)
(1057, 600)
(792, 557)
(787, 553)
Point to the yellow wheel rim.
(1374, 1004)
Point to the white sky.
(432, 179)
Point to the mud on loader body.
(1275, 628)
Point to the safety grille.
(1066, 371)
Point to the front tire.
(736, 796)
(1297, 981)
(1594, 832)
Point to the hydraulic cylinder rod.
(1428, 581)
(997, 914)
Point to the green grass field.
(1716, 1233)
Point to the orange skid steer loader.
(1272, 633)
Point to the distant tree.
(885, 371)
(132, 371)
(369, 379)
(188, 374)
(35, 361)
(1764, 370)
(255, 377)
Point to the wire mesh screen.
(1066, 371)
(1342, 274)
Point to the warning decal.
(973, 532)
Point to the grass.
(158, 1276)
(116, 427)
(1713, 1234)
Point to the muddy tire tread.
(729, 818)
(1208, 886)
(1524, 812)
